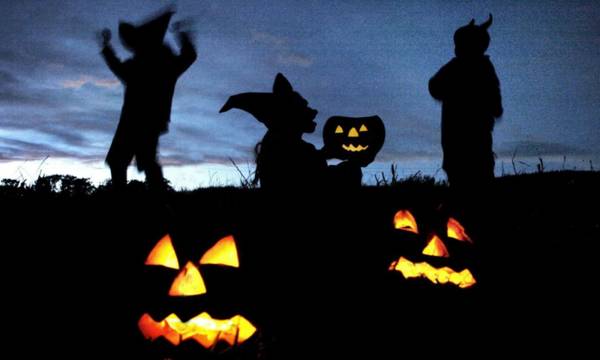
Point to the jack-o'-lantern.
(440, 254)
(359, 138)
(189, 295)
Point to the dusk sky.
(60, 104)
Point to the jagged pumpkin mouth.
(354, 148)
(445, 275)
(202, 328)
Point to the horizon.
(60, 104)
(32, 171)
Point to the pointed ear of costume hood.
(156, 28)
(150, 33)
(488, 23)
(260, 105)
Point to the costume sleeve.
(439, 83)
(187, 54)
(114, 63)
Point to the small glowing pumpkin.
(359, 138)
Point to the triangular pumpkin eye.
(339, 130)
(363, 128)
(163, 254)
(404, 220)
(457, 231)
(224, 252)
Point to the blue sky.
(59, 104)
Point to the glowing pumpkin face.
(354, 138)
(440, 258)
(188, 283)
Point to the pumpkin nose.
(353, 133)
(189, 282)
(435, 247)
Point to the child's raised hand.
(184, 32)
(187, 25)
(104, 37)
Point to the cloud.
(15, 92)
(13, 149)
(192, 145)
(103, 121)
(16, 98)
(295, 59)
(8, 56)
(205, 153)
(66, 135)
(281, 44)
(87, 79)
(7, 79)
(268, 39)
(63, 123)
(526, 148)
(34, 57)
(183, 160)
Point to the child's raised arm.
(108, 53)
(187, 54)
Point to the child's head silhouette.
(147, 36)
(472, 40)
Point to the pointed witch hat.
(259, 105)
(265, 107)
(149, 34)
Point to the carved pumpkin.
(440, 254)
(187, 283)
(348, 138)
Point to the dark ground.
(313, 271)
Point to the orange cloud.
(84, 79)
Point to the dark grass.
(313, 270)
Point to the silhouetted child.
(283, 159)
(149, 77)
(469, 91)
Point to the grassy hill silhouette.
(74, 268)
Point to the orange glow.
(163, 254)
(189, 282)
(436, 247)
(224, 252)
(445, 275)
(457, 231)
(202, 328)
(404, 220)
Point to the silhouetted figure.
(469, 91)
(283, 159)
(149, 77)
